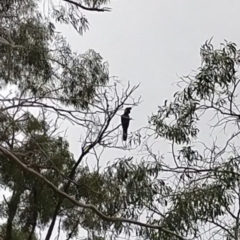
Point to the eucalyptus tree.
(202, 124)
(43, 83)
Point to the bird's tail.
(124, 136)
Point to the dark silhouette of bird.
(125, 118)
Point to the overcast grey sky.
(154, 42)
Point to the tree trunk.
(55, 214)
(12, 209)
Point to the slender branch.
(87, 8)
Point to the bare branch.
(87, 8)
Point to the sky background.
(154, 42)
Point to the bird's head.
(127, 110)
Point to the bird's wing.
(125, 121)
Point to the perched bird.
(125, 118)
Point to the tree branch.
(87, 8)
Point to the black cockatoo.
(125, 118)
